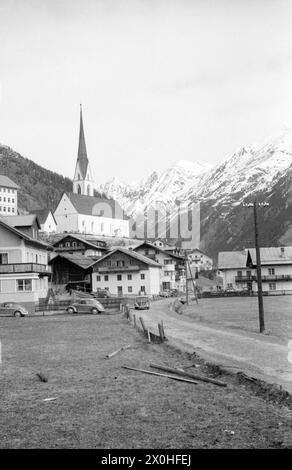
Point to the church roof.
(82, 152)
(85, 204)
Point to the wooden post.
(162, 329)
(143, 324)
(134, 319)
(148, 335)
(259, 271)
(160, 332)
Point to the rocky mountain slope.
(39, 188)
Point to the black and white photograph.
(145, 228)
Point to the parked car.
(86, 306)
(165, 293)
(142, 303)
(13, 309)
(102, 293)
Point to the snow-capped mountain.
(250, 169)
(263, 171)
(171, 185)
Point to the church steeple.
(82, 182)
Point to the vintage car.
(142, 303)
(13, 309)
(86, 306)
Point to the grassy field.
(101, 405)
(242, 312)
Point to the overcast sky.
(160, 80)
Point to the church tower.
(82, 182)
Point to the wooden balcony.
(16, 268)
(267, 278)
(117, 269)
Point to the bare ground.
(101, 405)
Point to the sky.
(159, 80)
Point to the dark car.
(13, 309)
(102, 293)
(86, 306)
(142, 303)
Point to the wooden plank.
(187, 374)
(117, 351)
(180, 379)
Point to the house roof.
(132, 254)
(42, 215)
(269, 255)
(23, 236)
(273, 255)
(80, 260)
(81, 239)
(232, 259)
(162, 250)
(7, 182)
(22, 220)
(85, 204)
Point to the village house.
(82, 212)
(199, 260)
(67, 267)
(172, 275)
(72, 244)
(28, 224)
(24, 270)
(8, 196)
(125, 272)
(47, 220)
(238, 269)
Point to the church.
(81, 211)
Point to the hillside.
(39, 187)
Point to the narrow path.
(264, 357)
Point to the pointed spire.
(82, 153)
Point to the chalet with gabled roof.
(125, 272)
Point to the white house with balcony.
(239, 273)
(172, 274)
(24, 270)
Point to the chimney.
(282, 251)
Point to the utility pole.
(258, 263)
(186, 270)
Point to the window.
(130, 289)
(3, 258)
(129, 277)
(271, 271)
(248, 274)
(143, 289)
(12, 209)
(272, 286)
(24, 285)
(8, 208)
(120, 263)
(239, 273)
(106, 277)
(142, 276)
(119, 277)
(98, 278)
(229, 285)
(168, 261)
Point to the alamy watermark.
(182, 222)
